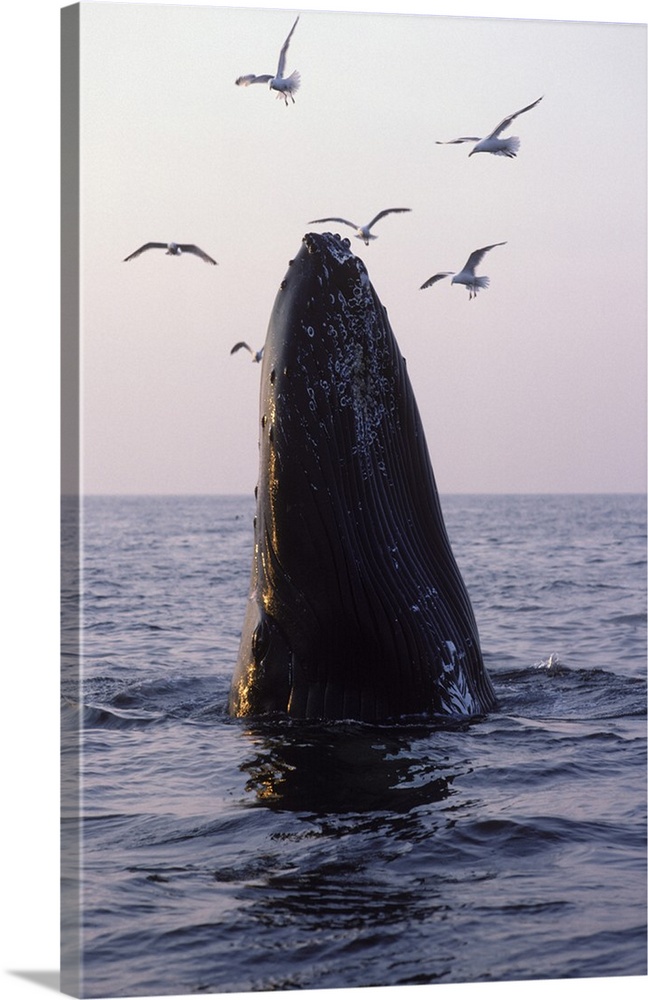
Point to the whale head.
(356, 609)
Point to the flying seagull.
(492, 143)
(285, 86)
(174, 249)
(256, 355)
(467, 274)
(362, 232)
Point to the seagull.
(467, 275)
(492, 143)
(256, 355)
(174, 249)
(285, 86)
(362, 232)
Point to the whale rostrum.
(356, 609)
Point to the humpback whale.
(357, 609)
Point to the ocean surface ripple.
(224, 855)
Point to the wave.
(108, 703)
(552, 689)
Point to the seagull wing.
(284, 50)
(477, 256)
(245, 81)
(507, 121)
(237, 347)
(435, 277)
(146, 246)
(192, 248)
(463, 138)
(386, 211)
(333, 218)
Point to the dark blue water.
(221, 855)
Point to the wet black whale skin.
(357, 609)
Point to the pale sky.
(538, 385)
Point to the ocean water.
(224, 855)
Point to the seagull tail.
(293, 82)
(512, 146)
